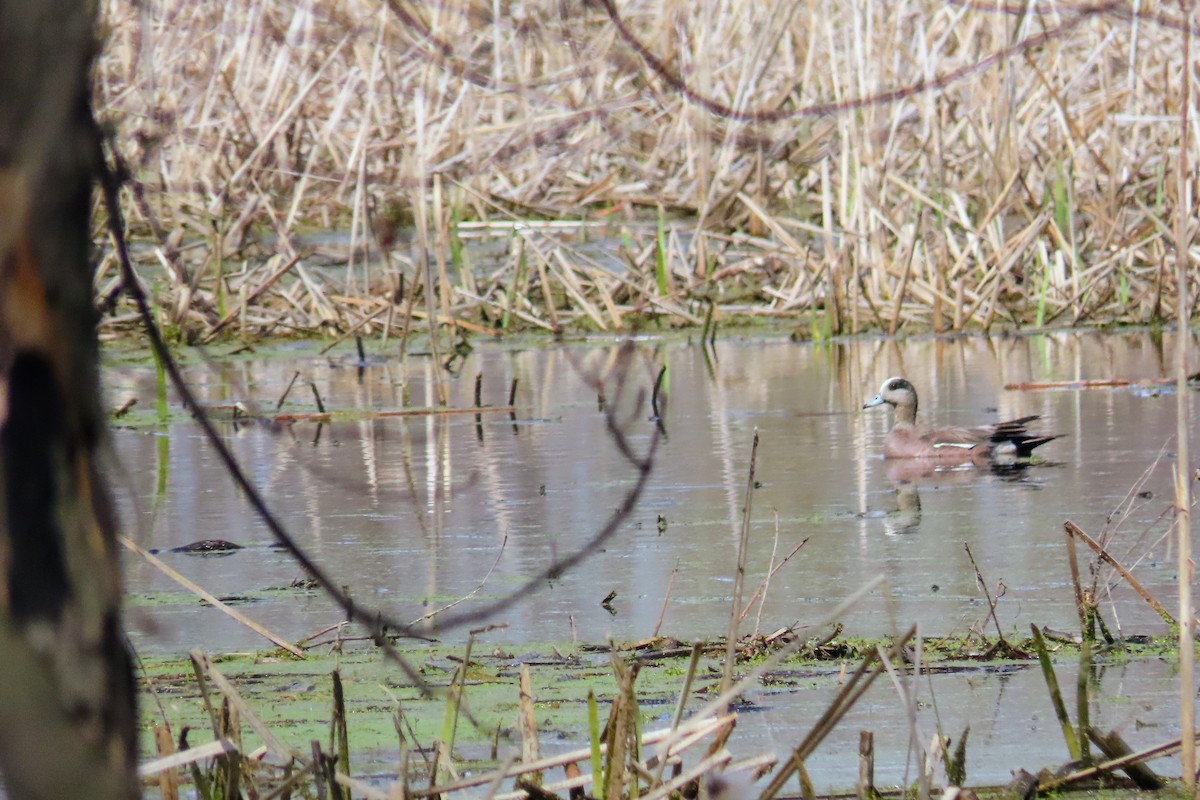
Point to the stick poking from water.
(739, 575)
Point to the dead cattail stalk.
(339, 726)
(866, 766)
(1183, 413)
(168, 779)
(530, 752)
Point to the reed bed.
(841, 166)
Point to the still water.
(413, 513)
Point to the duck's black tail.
(1014, 437)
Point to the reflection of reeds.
(858, 165)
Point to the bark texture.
(67, 718)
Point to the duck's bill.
(877, 400)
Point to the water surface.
(412, 513)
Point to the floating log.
(1099, 383)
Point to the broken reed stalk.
(662, 612)
(206, 668)
(599, 777)
(167, 764)
(1075, 531)
(168, 779)
(339, 726)
(1073, 560)
(765, 584)
(1056, 698)
(740, 574)
(681, 704)
(760, 594)
(866, 766)
(708, 720)
(1083, 680)
(208, 597)
(864, 675)
(926, 754)
(530, 751)
(991, 603)
(619, 732)
(422, 249)
(322, 778)
(454, 698)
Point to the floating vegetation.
(278, 721)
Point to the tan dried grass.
(802, 173)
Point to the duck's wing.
(1013, 434)
(1010, 438)
(957, 437)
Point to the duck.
(985, 444)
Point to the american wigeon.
(911, 438)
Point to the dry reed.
(847, 167)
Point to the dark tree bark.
(67, 718)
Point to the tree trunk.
(67, 718)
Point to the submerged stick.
(658, 382)
(210, 598)
(287, 391)
(317, 397)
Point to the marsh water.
(412, 513)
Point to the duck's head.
(897, 393)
